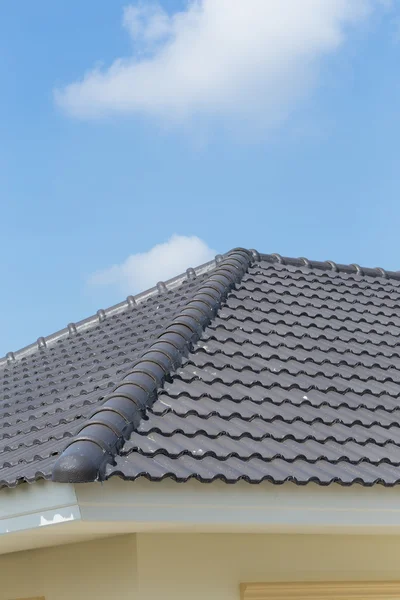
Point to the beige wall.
(74, 572)
(180, 567)
(189, 566)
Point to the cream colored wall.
(75, 571)
(192, 566)
(211, 567)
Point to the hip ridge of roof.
(99, 440)
(328, 265)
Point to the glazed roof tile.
(252, 367)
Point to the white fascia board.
(241, 507)
(55, 516)
(118, 506)
(37, 505)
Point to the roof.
(252, 367)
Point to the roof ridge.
(328, 265)
(161, 288)
(86, 456)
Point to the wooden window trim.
(31, 598)
(374, 590)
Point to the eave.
(47, 513)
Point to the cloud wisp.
(248, 60)
(143, 270)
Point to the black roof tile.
(252, 367)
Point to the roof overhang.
(46, 513)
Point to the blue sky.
(287, 142)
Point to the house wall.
(98, 569)
(195, 566)
(202, 567)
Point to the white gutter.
(30, 506)
(47, 513)
(242, 507)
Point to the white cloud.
(147, 23)
(246, 60)
(143, 270)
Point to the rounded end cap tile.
(80, 463)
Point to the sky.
(139, 139)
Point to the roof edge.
(98, 442)
(164, 286)
(329, 265)
(130, 302)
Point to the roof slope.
(260, 368)
(297, 378)
(50, 389)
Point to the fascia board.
(242, 507)
(30, 506)
(55, 516)
(216, 507)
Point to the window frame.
(31, 598)
(351, 590)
